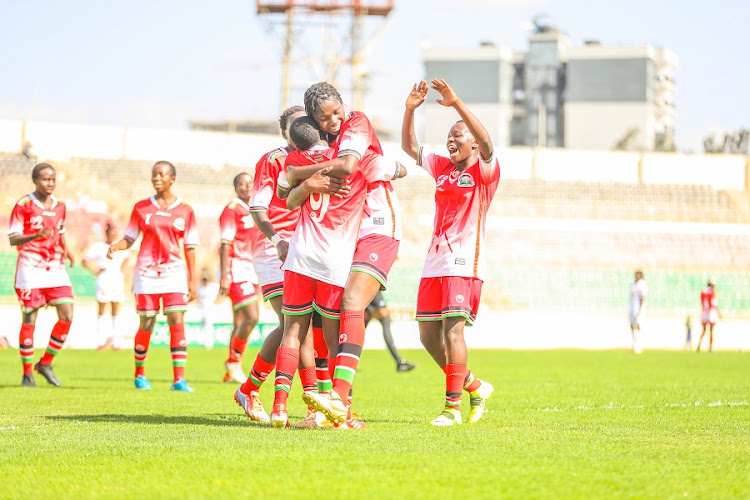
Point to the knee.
(453, 337)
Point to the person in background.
(37, 229)
(164, 277)
(688, 333)
(110, 286)
(709, 314)
(638, 293)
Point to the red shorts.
(302, 294)
(147, 304)
(448, 296)
(34, 298)
(272, 290)
(375, 254)
(242, 294)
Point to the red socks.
(351, 338)
(236, 349)
(56, 341)
(178, 345)
(26, 347)
(454, 379)
(140, 351)
(287, 360)
(320, 351)
(258, 374)
(308, 379)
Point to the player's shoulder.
(23, 200)
(185, 206)
(144, 203)
(276, 155)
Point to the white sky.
(162, 63)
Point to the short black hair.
(37, 171)
(284, 118)
(304, 133)
(237, 177)
(172, 169)
(319, 92)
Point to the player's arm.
(408, 136)
(22, 239)
(124, 244)
(224, 281)
(450, 99)
(89, 265)
(342, 166)
(262, 222)
(320, 183)
(67, 254)
(191, 277)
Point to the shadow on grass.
(222, 421)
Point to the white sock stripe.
(347, 355)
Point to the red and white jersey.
(462, 200)
(382, 212)
(41, 262)
(323, 244)
(238, 230)
(709, 302)
(264, 199)
(160, 267)
(356, 136)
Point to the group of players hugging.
(319, 226)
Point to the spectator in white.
(110, 287)
(207, 293)
(638, 293)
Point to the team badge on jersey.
(466, 180)
(179, 224)
(459, 298)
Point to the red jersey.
(356, 136)
(160, 267)
(709, 302)
(462, 200)
(323, 244)
(238, 230)
(41, 262)
(264, 199)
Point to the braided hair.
(317, 93)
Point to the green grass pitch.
(562, 424)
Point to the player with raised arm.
(276, 223)
(37, 229)
(451, 284)
(163, 278)
(110, 286)
(320, 253)
(238, 281)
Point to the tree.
(732, 143)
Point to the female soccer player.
(110, 285)
(36, 228)
(452, 278)
(162, 275)
(355, 141)
(238, 235)
(276, 222)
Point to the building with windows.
(594, 96)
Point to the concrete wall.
(595, 125)
(61, 141)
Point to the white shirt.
(638, 291)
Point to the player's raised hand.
(417, 95)
(321, 182)
(449, 97)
